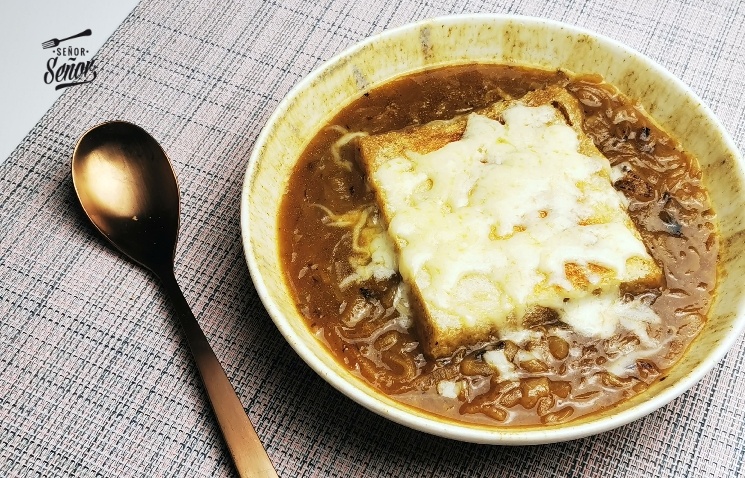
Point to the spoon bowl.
(126, 185)
(128, 189)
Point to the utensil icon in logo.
(54, 41)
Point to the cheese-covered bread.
(500, 213)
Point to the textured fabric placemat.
(95, 377)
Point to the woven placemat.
(95, 377)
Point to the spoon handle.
(249, 456)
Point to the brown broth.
(668, 204)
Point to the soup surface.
(558, 374)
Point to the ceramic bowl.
(497, 39)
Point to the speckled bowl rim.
(421, 421)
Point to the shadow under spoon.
(127, 188)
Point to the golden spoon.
(128, 190)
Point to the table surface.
(95, 376)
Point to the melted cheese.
(486, 226)
(504, 367)
(373, 253)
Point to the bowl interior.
(508, 40)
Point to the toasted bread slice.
(501, 213)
